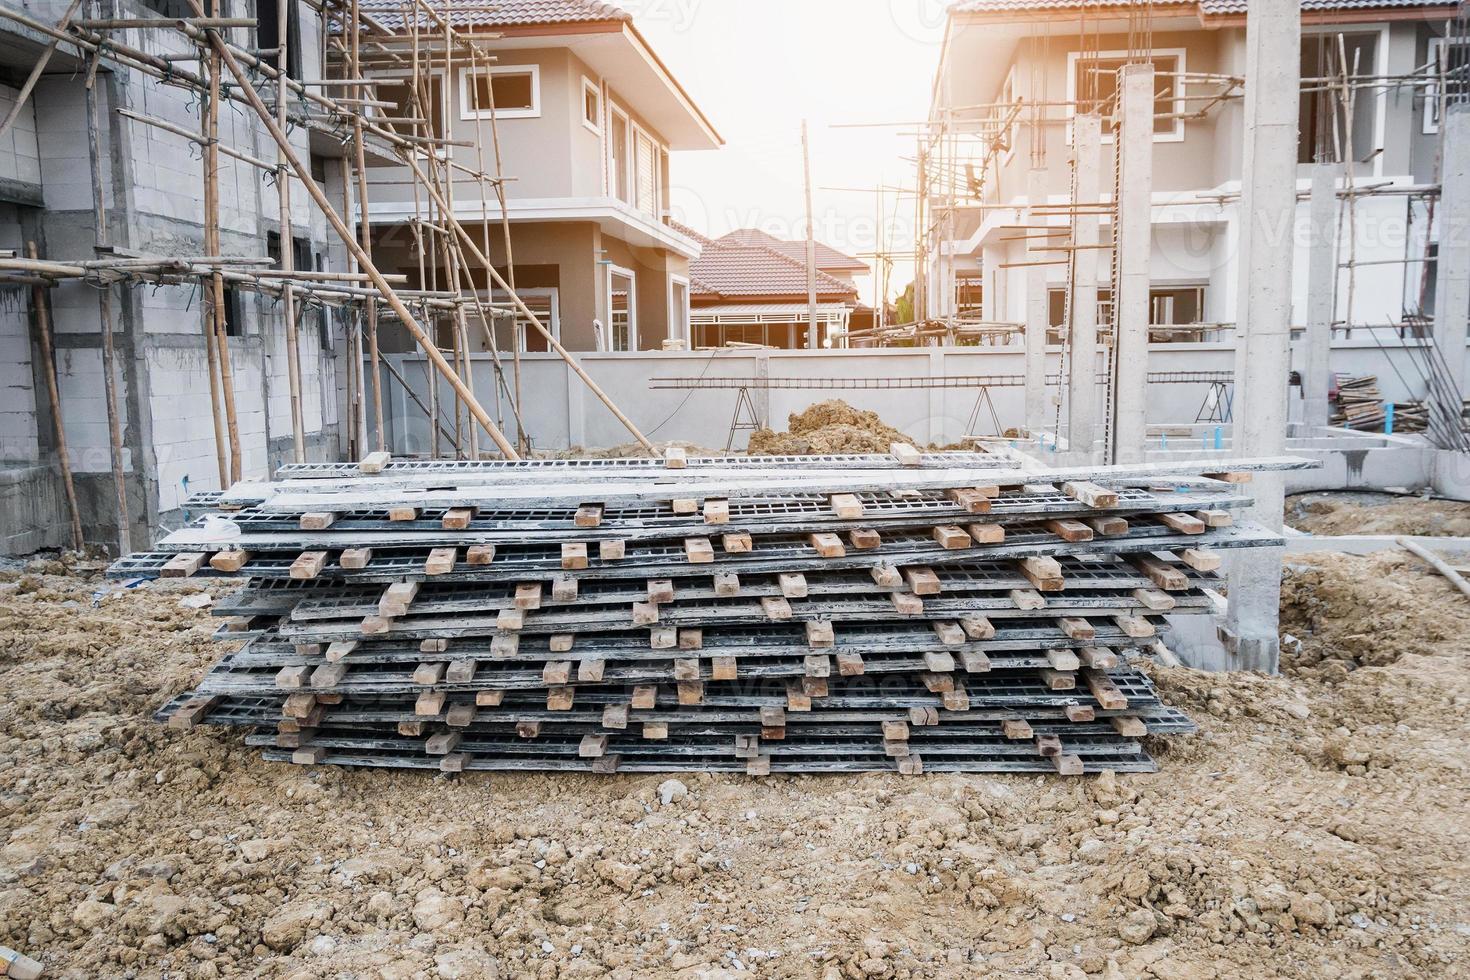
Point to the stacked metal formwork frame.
(769, 614)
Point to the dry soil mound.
(831, 426)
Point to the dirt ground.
(1339, 513)
(1314, 828)
(831, 426)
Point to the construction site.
(428, 548)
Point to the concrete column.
(1263, 305)
(1036, 314)
(1134, 243)
(1082, 368)
(1452, 277)
(1321, 294)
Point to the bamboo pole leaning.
(48, 364)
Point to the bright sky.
(757, 68)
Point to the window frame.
(1013, 130)
(614, 114)
(1176, 135)
(1380, 60)
(1429, 125)
(405, 78)
(467, 113)
(632, 277)
(589, 86)
(681, 328)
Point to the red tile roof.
(498, 13)
(1207, 8)
(730, 270)
(828, 258)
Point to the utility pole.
(811, 244)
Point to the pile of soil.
(1337, 513)
(832, 426)
(1310, 829)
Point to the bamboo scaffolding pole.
(40, 304)
(365, 230)
(364, 259)
(288, 243)
(354, 356)
(104, 306)
(216, 305)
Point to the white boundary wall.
(562, 413)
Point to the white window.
(1459, 49)
(1093, 81)
(679, 309)
(622, 309)
(618, 148)
(1004, 112)
(591, 105)
(515, 89)
(645, 166)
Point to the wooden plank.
(232, 560)
(1239, 477)
(612, 550)
(987, 533)
(479, 554)
(587, 515)
(1103, 688)
(950, 537)
(397, 598)
(340, 650)
(401, 513)
(355, 559)
(1048, 746)
(1182, 523)
(317, 520)
(560, 698)
(573, 555)
(684, 506)
(615, 716)
(656, 731)
(308, 564)
(660, 590)
(864, 539)
(1016, 730)
(1090, 494)
(1069, 530)
(727, 584)
(504, 645)
(374, 462)
(819, 633)
(1057, 680)
(1215, 518)
(690, 692)
(645, 613)
(939, 661)
(591, 670)
(1101, 658)
(691, 639)
(886, 576)
(663, 638)
(973, 500)
(510, 619)
(1063, 660)
(1067, 764)
(716, 510)
(699, 551)
(737, 543)
(293, 678)
(676, 458)
(427, 675)
(827, 544)
(922, 581)
(1200, 560)
(1108, 527)
(1129, 727)
(592, 746)
(186, 564)
(906, 603)
(775, 607)
(528, 595)
(817, 665)
(443, 743)
(793, 585)
(724, 669)
(686, 669)
(441, 561)
(645, 697)
(561, 642)
(489, 698)
(528, 729)
(1154, 600)
(1043, 572)
(1079, 713)
(328, 675)
(309, 755)
(1134, 626)
(429, 704)
(461, 671)
(906, 454)
(977, 627)
(1162, 574)
(796, 698)
(563, 588)
(1027, 599)
(433, 645)
(1076, 629)
(850, 664)
(846, 506)
(455, 762)
(457, 518)
(949, 633)
(923, 717)
(375, 625)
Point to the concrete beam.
(1082, 365)
(1452, 278)
(1321, 294)
(1036, 317)
(1134, 249)
(1267, 215)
